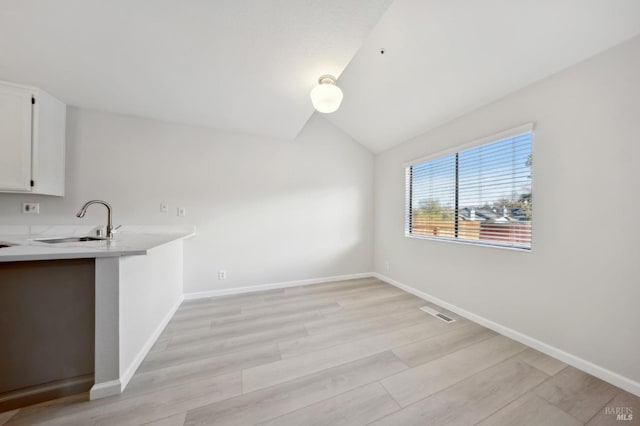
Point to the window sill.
(520, 249)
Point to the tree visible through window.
(480, 195)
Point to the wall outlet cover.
(31, 208)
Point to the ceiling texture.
(248, 65)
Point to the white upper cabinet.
(15, 134)
(32, 141)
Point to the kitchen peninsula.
(129, 287)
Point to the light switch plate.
(182, 212)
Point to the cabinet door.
(15, 139)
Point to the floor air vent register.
(437, 314)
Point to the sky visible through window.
(491, 176)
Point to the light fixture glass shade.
(326, 97)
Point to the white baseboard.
(262, 287)
(607, 375)
(104, 389)
(130, 371)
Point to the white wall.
(150, 292)
(579, 289)
(266, 211)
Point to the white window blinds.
(479, 195)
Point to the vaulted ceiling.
(445, 58)
(248, 65)
(241, 65)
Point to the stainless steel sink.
(69, 240)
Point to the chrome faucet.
(83, 211)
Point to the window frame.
(515, 131)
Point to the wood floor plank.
(382, 303)
(358, 407)
(231, 299)
(435, 347)
(246, 318)
(263, 312)
(351, 331)
(287, 308)
(4, 417)
(224, 303)
(194, 352)
(269, 403)
(530, 410)
(177, 420)
(148, 380)
(178, 327)
(244, 328)
(41, 412)
(371, 295)
(288, 369)
(185, 313)
(329, 293)
(542, 362)
(472, 399)
(120, 410)
(334, 295)
(420, 382)
(245, 325)
(333, 285)
(373, 309)
(624, 404)
(577, 393)
(270, 306)
(160, 345)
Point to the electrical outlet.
(222, 275)
(31, 208)
(164, 207)
(387, 265)
(182, 212)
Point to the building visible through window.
(478, 195)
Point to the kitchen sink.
(69, 240)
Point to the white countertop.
(128, 241)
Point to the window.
(480, 195)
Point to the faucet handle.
(111, 232)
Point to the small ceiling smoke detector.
(326, 96)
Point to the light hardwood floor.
(345, 353)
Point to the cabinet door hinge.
(33, 100)
(33, 183)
